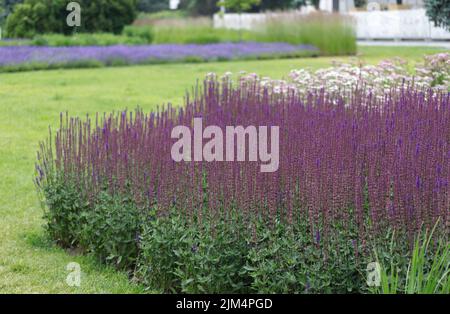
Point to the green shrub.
(239, 5)
(199, 7)
(6, 7)
(41, 41)
(111, 230)
(231, 254)
(179, 257)
(152, 5)
(41, 16)
(64, 214)
(439, 12)
(226, 256)
(292, 260)
(21, 24)
(360, 3)
(143, 32)
(107, 227)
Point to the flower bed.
(23, 57)
(353, 176)
(386, 76)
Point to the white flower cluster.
(433, 73)
(388, 75)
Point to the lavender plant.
(17, 57)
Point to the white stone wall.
(249, 20)
(348, 5)
(399, 24)
(238, 21)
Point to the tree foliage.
(6, 7)
(209, 7)
(49, 16)
(360, 3)
(152, 5)
(439, 12)
(239, 5)
(272, 5)
(199, 7)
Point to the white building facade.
(344, 6)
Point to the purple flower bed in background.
(21, 55)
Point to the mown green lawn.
(31, 101)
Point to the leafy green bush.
(199, 7)
(64, 213)
(439, 12)
(21, 24)
(180, 257)
(360, 3)
(41, 16)
(226, 256)
(131, 35)
(144, 33)
(234, 255)
(111, 230)
(108, 229)
(6, 7)
(152, 5)
(292, 260)
(239, 5)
